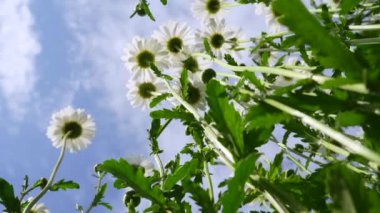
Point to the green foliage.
(64, 185)
(7, 197)
(158, 99)
(234, 195)
(179, 174)
(227, 119)
(327, 47)
(134, 178)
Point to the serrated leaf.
(158, 99)
(234, 196)
(106, 205)
(134, 178)
(158, 73)
(251, 77)
(169, 114)
(7, 197)
(64, 185)
(227, 119)
(179, 174)
(199, 195)
(99, 195)
(328, 48)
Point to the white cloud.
(18, 49)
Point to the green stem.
(295, 161)
(51, 178)
(98, 187)
(209, 181)
(365, 27)
(353, 146)
(160, 169)
(320, 79)
(366, 41)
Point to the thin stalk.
(98, 187)
(209, 181)
(366, 41)
(51, 178)
(365, 27)
(320, 79)
(295, 161)
(353, 146)
(160, 169)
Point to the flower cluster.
(170, 50)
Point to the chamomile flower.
(206, 9)
(219, 37)
(177, 39)
(140, 93)
(195, 65)
(270, 19)
(143, 162)
(77, 126)
(38, 208)
(141, 54)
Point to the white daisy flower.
(140, 93)
(177, 39)
(196, 93)
(38, 208)
(75, 124)
(195, 65)
(141, 54)
(219, 37)
(270, 19)
(141, 161)
(206, 9)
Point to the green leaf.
(349, 193)
(264, 116)
(164, 2)
(169, 114)
(328, 48)
(199, 195)
(207, 46)
(348, 5)
(230, 60)
(158, 73)
(158, 99)
(99, 196)
(227, 119)
(145, 6)
(180, 173)
(235, 194)
(350, 118)
(7, 197)
(184, 80)
(134, 178)
(64, 185)
(251, 77)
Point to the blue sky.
(58, 53)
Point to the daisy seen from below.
(270, 19)
(141, 162)
(140, 93)
(191, 63)
(219, 36)
(177, 39)
(77, 126)
(141, 54)
(206, 9)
